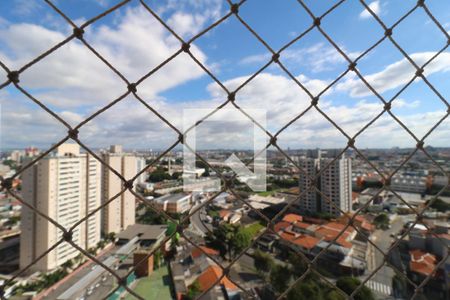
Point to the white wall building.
(409, 183)
(65, 186)
(119, 213)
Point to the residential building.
(141, 165)
(174, 203)
(334, 184)
(17, 155)
(309, 196)
(65, 186)
(192, 265)
(119, 213)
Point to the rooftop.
(292, 218)
(145, 232)
(172, 198)
(210, 277)
(422, 262)
(201, 250)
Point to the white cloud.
(133, 125)
(401, 103)
(318, 57)
(396, 74)
(374, 6)
(73, 76)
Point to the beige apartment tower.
(65, 186)
(119, 213)
(334, 183)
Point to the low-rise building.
(409, 183)
(174, 203)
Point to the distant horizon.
(177, 149)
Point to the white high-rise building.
(119, 213)
(334, 183)
(65, 186)
(308, 200)
(336, 186)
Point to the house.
(199, 251)
(211, 279)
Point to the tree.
(305, 291)
(263, 262)
(220, 238)
(381, 221)
(68, 264)
(298, 265)
(279, 278)
(201, 164)
(111, 237)
(334, 295)
(159, 175)
(151, 217)
(176, 175)
(349, 284)
(92, 251)
(193, 290)
(240, 240)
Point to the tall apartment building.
(120, 213)
(65, 186)
(308, 200)
(334, 184)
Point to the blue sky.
(74, 83)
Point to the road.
(101, 289)
(196, 221)
(381, 282)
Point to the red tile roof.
(422, 262)
(223, 213)
(292, 218)
(302, 225)
(306, 241)
(196, 252)
(288, 236)
(331, 230)
(281, 226)
(210, 276)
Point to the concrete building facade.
(65, 186)
(336, 186)
(119, 213)
(334, 183)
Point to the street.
(196, 221)
(381, 282)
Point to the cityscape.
(224, 150)
(386, 246)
